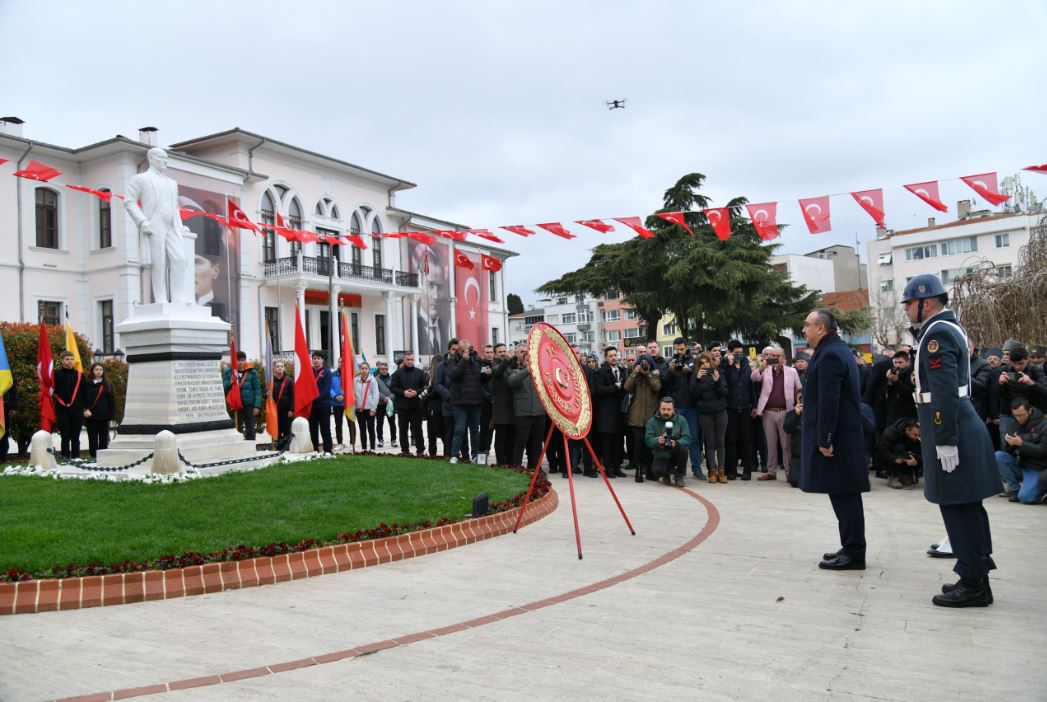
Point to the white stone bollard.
(165, 454)
(301, 443)
(39, 455)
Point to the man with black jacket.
(487, 407)
(467, 394)
(609, 422)
(1026, 456)
(1019, 379)
(741, 399)
(407, 384)
(899, 452)
(874, 394)
(529, 432)
(680, 376)
(502, 405)
(981, 376)
(68, 401)
(320, 414)
(899, 396)
(442, 386)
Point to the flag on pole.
(304, 381)
(6, 381)
(272, 422)
(45, 367)
(70, 345)
(232, 398)
(348, 370)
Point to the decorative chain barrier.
(85, 464)
(88, 465)
(231, 461)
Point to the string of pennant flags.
(816, 213)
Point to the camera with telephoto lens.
(669, 441)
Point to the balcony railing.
(311, 265)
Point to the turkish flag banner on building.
(472, 295)
(597, 224)
(490, 263)
(484, 234)
(100, 194)
(985, 185)
(720, 219)
(38, 171)
(816, 214)
(304, 381)
(518, 229)
(238, 218)
(676, 218)
(928, 192)
(764, 216)
(872, 202)
(636, 225)
(1042, 168)
(451, 234)
(422, 237)
(45, 367)
(557, 229)
(462, 260)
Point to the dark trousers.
(850, 513)
(435, 430)
(283, 425)
(366, 421)
(673, 464)
(630, 446)
(968, 528)
(411, 421)
(245, 422)
(528, 433)
(555, 453)
(641, 454)
(97, 435)
(69, 424)
(339, 420)
(320, 426)
(611, 450)
(504, 439)
(714, 431)
(759, 444)
(738, 443)
(4, 442)
(380, 420)
(486, 428)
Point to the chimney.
(881, 232)
(930, 221)
(11, 125)
(963, 209)
(147, 135)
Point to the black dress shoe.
(842, 562)
(619, 473)
(950, 587)
(591, 474)
(831, 556)
(747, 476)
(966, 593)
(935, 553)
(732, 476)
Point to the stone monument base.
(174, 383)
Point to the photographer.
(899, 452)
(667, 437)
(502, 405)
(710, 395)
(467, 395)
(779, 384)
(655, 352)
(1018, 380)
(899, 396)
(645, 382)
(487, 408)
(408, 387)
(442, 385)
(1025, 459)
(741, 399)
(681, 375)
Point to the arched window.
(376, 244)
(268, 218)
(354, 228)
(46, 218)
(294, 221)
(105, 223)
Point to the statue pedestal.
(174, 383)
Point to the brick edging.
(124, 588)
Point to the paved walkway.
(719, 599)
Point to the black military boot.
(949, 587)
(966, 593)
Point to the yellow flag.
(70, 345)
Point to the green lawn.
(46, 523)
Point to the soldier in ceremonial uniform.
(959, 466)
(69, 410)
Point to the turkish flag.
(764, 216)
(928, 192)
(518, 229)
(38, 171)
(484, 234)
(490, 263)
(598, 225)
(332, 240)
(1042, 168)
(451, 234)
(816, 214)
(3, 161)
(304, 381)
(238, 218)
(720, 219)
(421, 237)
(557, 229)
(985, 185)
(100, 194)
(306, 236)
(872, 202)
(185, 213)
(636, 225)
(45, 367)
(356, 240)
(232, 398)
(677, 219)
(462, 260)
(472, 296)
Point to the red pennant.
(451, 234)
(45, 368)
(985, 185)
(557, 229)
(332, 240)
(463, 261)
(816, 214)
(238, 218)
(636, 225)
(518, 229)
(100, 194)
(356, 240)
(1042, 168)
(3, 161)
(872, 202)
(490, 263)
(232, 398)
(306, 236)
(928, 192)
(484, 234)
(677, 219)
(720, 219)
(288, 234)
(598, 225)
(185, 213)
(38, 171)
(764, 216)
(421, 237)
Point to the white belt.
(923, 398)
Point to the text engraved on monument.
(199, 394)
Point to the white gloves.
(949, 456)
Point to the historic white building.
(69, 252)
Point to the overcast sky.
(497, 112)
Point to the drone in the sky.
(616, 104)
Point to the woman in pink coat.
(778, 387)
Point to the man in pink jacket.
(778, 387)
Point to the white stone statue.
(167, 244)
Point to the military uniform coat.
(949, 419)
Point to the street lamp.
(119, 356)
(98, 355)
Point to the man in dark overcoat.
(834, 457)
(609, 422)
(959, 465)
